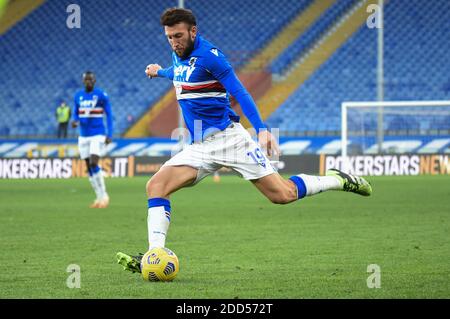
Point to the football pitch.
(231, 242)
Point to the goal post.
(392, 127)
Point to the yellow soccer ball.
(159, 264)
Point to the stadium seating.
(415, 68)
(310, 37)
(42, 59)
(240, 30)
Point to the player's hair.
(88, 73)
(173, 16)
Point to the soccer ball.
(159, 264)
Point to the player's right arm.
(75, 116)
(155, 70)
(217, 64)
(109, 118)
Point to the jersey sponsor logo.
(183, 72)
(89, 103)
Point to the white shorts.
(91, 145)
(233, 148)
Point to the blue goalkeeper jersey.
(89, 109)
(202, 83)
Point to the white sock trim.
(318, 184)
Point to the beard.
(189, 48)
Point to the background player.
(203, 78)
(91, 104)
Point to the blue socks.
(301, 186)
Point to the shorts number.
(257, 157)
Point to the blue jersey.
(89, 110)
(202, 83)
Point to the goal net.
(413, 127)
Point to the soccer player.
(203, 77)
(216, 177)
(91, 104)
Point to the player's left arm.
(221, 69)
(109, 118)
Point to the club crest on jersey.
(192, 61)
(215, 52)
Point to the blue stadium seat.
(42, 60)
(310, 36)
(415, 68)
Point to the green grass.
(230, 240)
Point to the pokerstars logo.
(434, 164)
